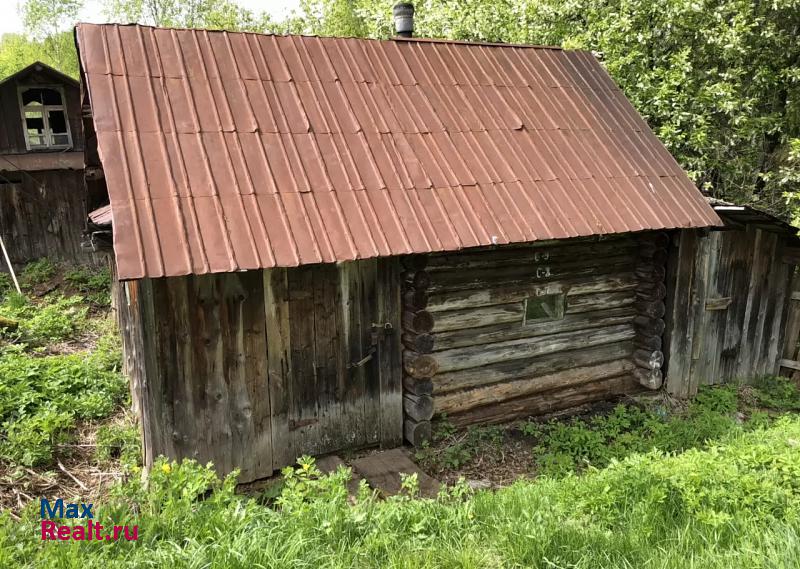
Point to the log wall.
(727, 306)
(469, 353)
(250, 370)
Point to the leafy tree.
(219, 14)
(18, 51)
(45, 20)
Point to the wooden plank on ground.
(382, 472)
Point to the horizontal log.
(420, 343)
(651, 273)
(417, 433)
(513, 312)
(420, 322)
(649, 378)
(791, 364)
(525, 256)
(419, 365)
(501, 332)
(413, 263)
(461, 401)
(548, 402)
(531, 367)
(651, 309)
(791, 255)
(527, 274)
(476, 356)
(655, 238)
(600, 301)
(651, 290)
(415, 299)
(418, 279)
(418, 407)
(472, 298)
(648, 359)
(648, 247)
(8, 323)
(657, 256)
(423, 386)
(648, 342)
(647, 326)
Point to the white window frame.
(48, 134)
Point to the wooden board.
(382, 472)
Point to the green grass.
(734, 505)
(566, 445)
(44, 395)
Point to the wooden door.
(728, 305)
(334, 374)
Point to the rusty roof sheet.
(231, 151)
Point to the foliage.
(210, 14)
(459, 448)
(778, 393)
(42, 397)
(94, 282)
(564, 447)
(733, 506)
(6, 284)
(118, 442)
(52, 320)
(37, 272)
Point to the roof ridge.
(392, 39)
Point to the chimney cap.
(403, 19)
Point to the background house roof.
(38, 66)
(233, 151)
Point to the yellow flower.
(306, 466)
(166, 468)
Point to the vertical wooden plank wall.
(790, 358)
(251, 370)
(727, 307)
(44, 215)
(196, 354)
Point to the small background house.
(42, 191)
(324, 243)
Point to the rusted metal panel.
(232, 151)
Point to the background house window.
(544, 308)
(44, 118)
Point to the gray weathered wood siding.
(250, 370)
(727, 307)
(486, 364)
(42, 214)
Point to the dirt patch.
(76, 475)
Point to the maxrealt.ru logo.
(88, 532)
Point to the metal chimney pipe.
(404, 19)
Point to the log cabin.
(42, 192)
(327, 243)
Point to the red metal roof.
(229, 151)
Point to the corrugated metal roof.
(230, 151)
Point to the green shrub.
(6, 284)
(37, 272)
(41, 397)
(93, 282)
(563, 447)
(118, 442)
(53, 320)
(778, 393)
